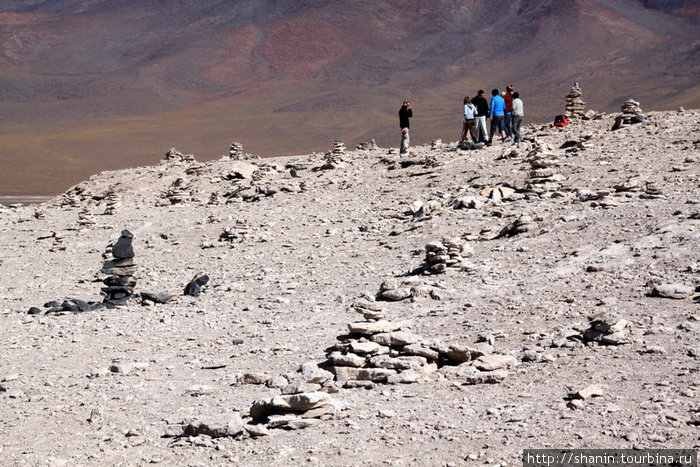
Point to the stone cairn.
(335, 158)
(631, 114)
(631, 107)
(85, 218)
(574, 103)
(370, 145)
(113, 203)
(543, 175)
(177, 158)
(235, 151)
(379, 351)
(178, 192)
(606, 328)
(120, 267)
(236, 234)
(305, 400)
(446, 255)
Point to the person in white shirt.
(469, 125)
(518, 115)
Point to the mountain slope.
(81, 79)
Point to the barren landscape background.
(88, 86)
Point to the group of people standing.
(504, 109)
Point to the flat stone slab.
(216, 426)
(676, 291)
(494, 362)
(344, 373)
(396, 338)
(300, 402)
(373, 327)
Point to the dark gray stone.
(34, 311)
(123, 249)
(157, 297)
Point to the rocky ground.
(556, 305)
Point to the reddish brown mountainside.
(86, 86)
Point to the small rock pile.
(113, 203)
(631, 114)
(58, 244)
(178, 192)
(177, 158)
(446, 255)
(305, 400)
(235, 151)
(631, 107)
(652, 191)
(38, 214)
(394, 291)
(543, 175)
(574, 103)
(120, 268)
(367, 145)
(214, 199)
(236, 234)
(85, 218)
(335, 158)
(379, 351)
(606, 328)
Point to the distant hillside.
(90, 85)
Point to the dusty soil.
(315, 241)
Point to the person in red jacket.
(508, 97)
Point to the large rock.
(123, 249)
(495, 362)
(216, 426)
(300, 402)
(677, 291)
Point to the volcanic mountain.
(92, 85)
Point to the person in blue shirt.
(497, 114)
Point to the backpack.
(561, 121)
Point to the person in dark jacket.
(482, 107)
(404, 114)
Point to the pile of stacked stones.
(606, 328)
(522, 224)
(214, 199)
(367, 145)
(379, 351)
(235, 151)
(446, 255)
(113, 203)
(394, 291)
(335, 158)
(58, 244)
(543, 175)
(196, 169)
(574, 103)
(120, 267)
(177, 158)
(235, 234)
(304, 401)
(652, 191)
(631, 113)
(631, 107)
(40, 215)
(177, 193)
(85, 218)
